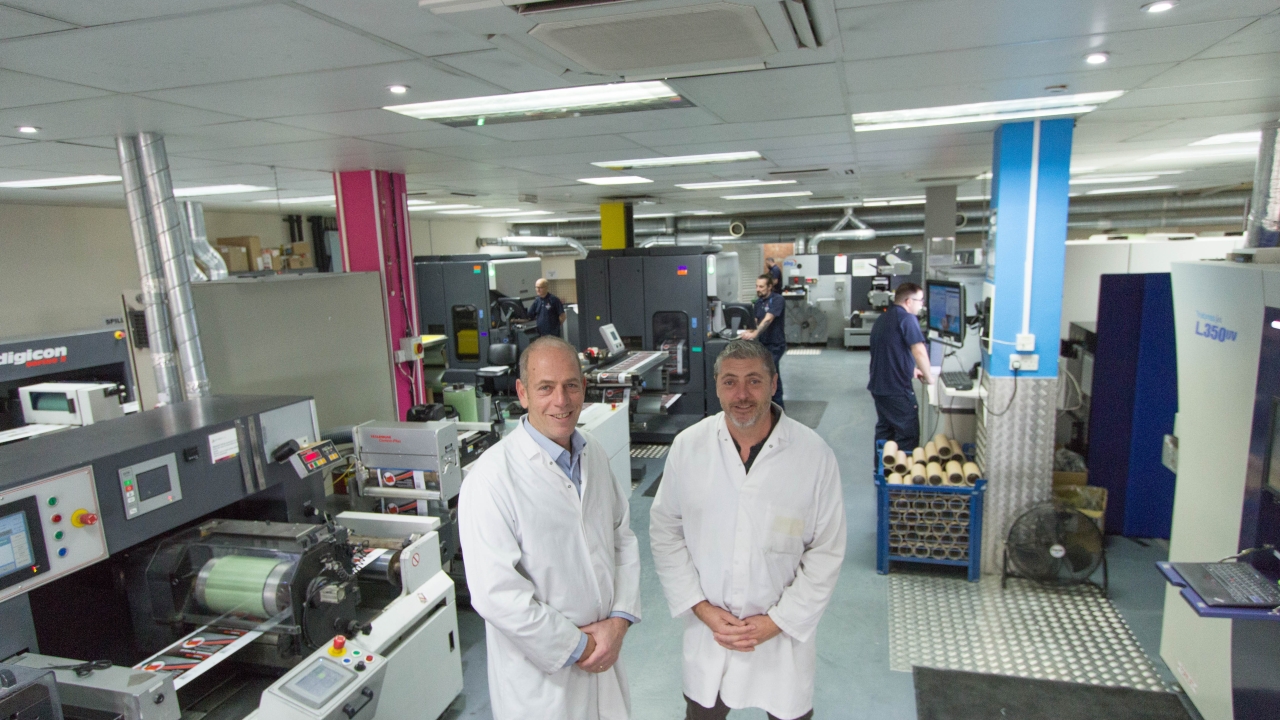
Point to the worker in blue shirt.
(771, 329)
(775, 272)
(898, 356)
(547, 309)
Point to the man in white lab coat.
(748, 535)
(552, 564)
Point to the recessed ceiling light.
(1097, 58)
(398, 89)
(1105, 179)
(1144, 188)
(457, 206)
(615, 180)
(28, 129)
(732, 184)
(475, 211)
(675, 160)
(545, 104)
(62, 181)
(1160, 6)
(998, 111)
(701, 212)
(766, 196)
(309, 199)
(824, 206)
(1253, 136)
(218, 190)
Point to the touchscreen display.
(153, 482)
(15, 544)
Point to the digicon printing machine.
(178, 556)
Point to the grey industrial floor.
(854, 679)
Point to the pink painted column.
(373, 222)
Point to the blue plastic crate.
(943, 521)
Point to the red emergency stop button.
(339, 646)
(119, 334)
(83, 518)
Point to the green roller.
(242, 584)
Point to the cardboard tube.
(957, 450)
(955, 475)
(901, 503)
(955, 554)
(917, 455)
(894, 479)
(921, 551)
(956, 504)
(890, 449)
(971, 473)
(931, 452)
(963, 516)
(943, 445)
(937, 552)
(934, 473)
(918, 474)
(900, 463)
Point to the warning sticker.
(224, 445)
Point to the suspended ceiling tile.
(1089, 130)
(246, 133)
(434, 136)
(795, 92)
(20, 90)
(403, 23)
(1215, 70)
(742, 131)
(1206, 93)
(111, 114)
(355, 123)
(606, 147)
(363, 88)
(84, 13)
(284, 153)
(1262, 36)
(1184, 132)
(18, 23)
(505, 70)
(58, 155)
(660, 122)
(1191, 110)
(236, 44)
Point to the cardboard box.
(251, 244)
(302, 252)
(236, 258)
(296, 262)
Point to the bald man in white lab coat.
(552, 564)
(748, 535)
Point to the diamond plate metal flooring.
(1026, 630)
(803, 351)
(652, 452)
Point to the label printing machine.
(173, 564)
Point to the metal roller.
(384, 568)
(244, 585)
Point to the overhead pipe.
(167, 223)
(523, 241)
(1263, 224)
(215, 268)
(154, 307)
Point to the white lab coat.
(769, 541)
(542, 562)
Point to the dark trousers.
(778, 351)
(695, 711)
(898, 419)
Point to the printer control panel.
(48, 528)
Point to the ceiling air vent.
(801, 23)
(791, 174)
(716, 32)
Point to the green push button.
(53, 501)
(57, 535)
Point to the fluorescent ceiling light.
(1104, 179)
(648, 216)
(823, 206)
(998, 111)
(301, 200)
(456, 206)
(62, 181)
(766, 196)
(701, 212)
(419, 203)
(705, 159)
(615, 180)
(584, 218)
(1097, 58)
(517, 213)
(974, 198)
(1144, 188)
(545, 104)
(1254, 136)
(732, 184)
(1236, 152)
(900, 200)
(28, 129)
(398, 89)
(218, 190)
(477, 211)
(1160, 6)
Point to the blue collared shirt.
(571, 463)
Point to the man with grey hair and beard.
(748, 535)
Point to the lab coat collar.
(539, 458)
(779, 438)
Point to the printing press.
(175, 564)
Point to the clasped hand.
(741, 634)
(604, 642)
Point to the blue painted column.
(1025, 257)
(1031, 170)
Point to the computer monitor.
(1272, 468)
(945, 302)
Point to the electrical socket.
(1025, 342)
(1024, 363)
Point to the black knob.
(360, 666)
(158, 699)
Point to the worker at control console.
(552, 564)
(898, 355)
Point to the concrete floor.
(854, 679)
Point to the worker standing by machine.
(547, 310)
(770, 326)
(899, 355)
(775, 272)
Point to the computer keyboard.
(1243, 583)
(957, 380)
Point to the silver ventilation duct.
(215, 268)
(535, 242)
(1263, 225)
(154, 307)
(166, 220)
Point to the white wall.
(451, 237)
